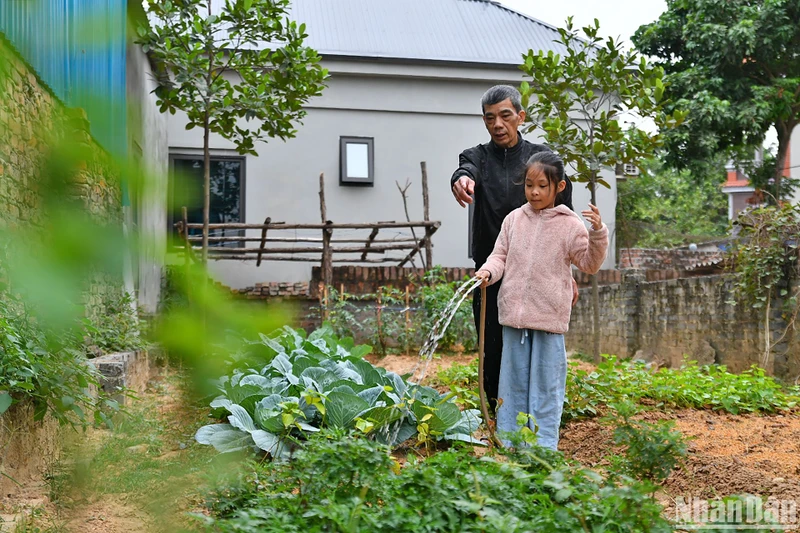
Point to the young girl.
(537, 244)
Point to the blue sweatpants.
(533, 379)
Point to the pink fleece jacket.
(533, 254)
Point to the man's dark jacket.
(499, 176)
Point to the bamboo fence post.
(408, 321)
(263, 240)
(327, 267)
(380, 325)
(426, 216)
(372, 236)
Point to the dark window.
(356, 161)
(226, 189)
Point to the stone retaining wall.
(692, 317)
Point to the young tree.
(577, 101)
(734, 65)
(237, 59)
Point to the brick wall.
(367, 280)
(665, 320)
(34, 125)
(667, 259)
(274, 289)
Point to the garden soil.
(728, 454)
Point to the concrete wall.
(147, 131)
(415, 113)
(667, 320)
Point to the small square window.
(356, 161)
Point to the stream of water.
(432, 340)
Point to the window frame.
(357, 182)
(173, 156)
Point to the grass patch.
(149, 461)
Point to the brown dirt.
(728, 454)
(108, 515)
(405, 364)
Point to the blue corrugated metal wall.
(77, 47)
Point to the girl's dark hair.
(549, 163)
(553, 167)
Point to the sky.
(618, 18)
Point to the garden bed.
(30, 448)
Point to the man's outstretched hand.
(463, 189)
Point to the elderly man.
(492, 176)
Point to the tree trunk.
(595, 290)
(784, 138)
(206, 133)
(426, 216)
(206, 188)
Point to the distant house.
(81, 54)
(741, 194)
(405, 86)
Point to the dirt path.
(141, 477)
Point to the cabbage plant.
(304, 383)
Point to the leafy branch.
(764, 261)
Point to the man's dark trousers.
(493, 343)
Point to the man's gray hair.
(498, 93)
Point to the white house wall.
(149, 148)
(430, 117)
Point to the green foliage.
(764, 258)
(765, 252)
(433, 294)
(387, 326)
(353, 485)
(663, 207)
(652, 450)
(357, 316)
(462, 380)
(760, 174)
(46, 368)
(290, 385)
(613, 382)
(577, 101)
(116, 329)
(217, 69)
(459, 374)
(734, 67)
(691, 386)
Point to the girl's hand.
(484, 276)
(593, 216)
